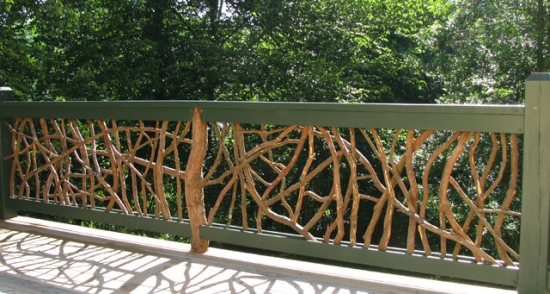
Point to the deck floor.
(38, 256)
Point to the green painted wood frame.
(5, 165)
(533, 276)
(479, 118)
(533, 119)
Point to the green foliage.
(323, 50)
(485, 50)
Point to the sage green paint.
(533, 275)
(396, 116)
(539, 76)
(509, 119)
(6, 94)
(133, 110)
(482, 118)
(174, 227)
(394, 259)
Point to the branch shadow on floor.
(87, 268)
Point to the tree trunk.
(542, 31)
(194, 194)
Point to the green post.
(5, 165)
(535, 218)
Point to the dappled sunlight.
(88, 268)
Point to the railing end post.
(535, 206)
(6, 94)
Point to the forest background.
(409, 51)
(322, 50)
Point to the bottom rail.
(394, 258)
(97, 215)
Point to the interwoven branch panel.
(450, 192)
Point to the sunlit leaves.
(486, 50)
(322, 50)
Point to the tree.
(486, 49)
(324, 50)
(541, 19)
(17, 66)
(342, 51)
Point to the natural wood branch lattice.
(324, 183)
(98, 163)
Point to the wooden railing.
(427, 188)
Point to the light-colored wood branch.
(105, 163)
(194, 182)
(486, 225)
(426, 191)
(412, 199)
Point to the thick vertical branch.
(413, 194)
(352, 159)
(510, 193)
(445, 212)
(158, 174)
(425, 188)
(305, 170)
(336, 186)
(239, 153)
(194, 194)
(385, 239)
(178, 169)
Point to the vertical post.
(5, 165)
(535, 218)
(194, 182)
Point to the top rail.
(479, 118)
